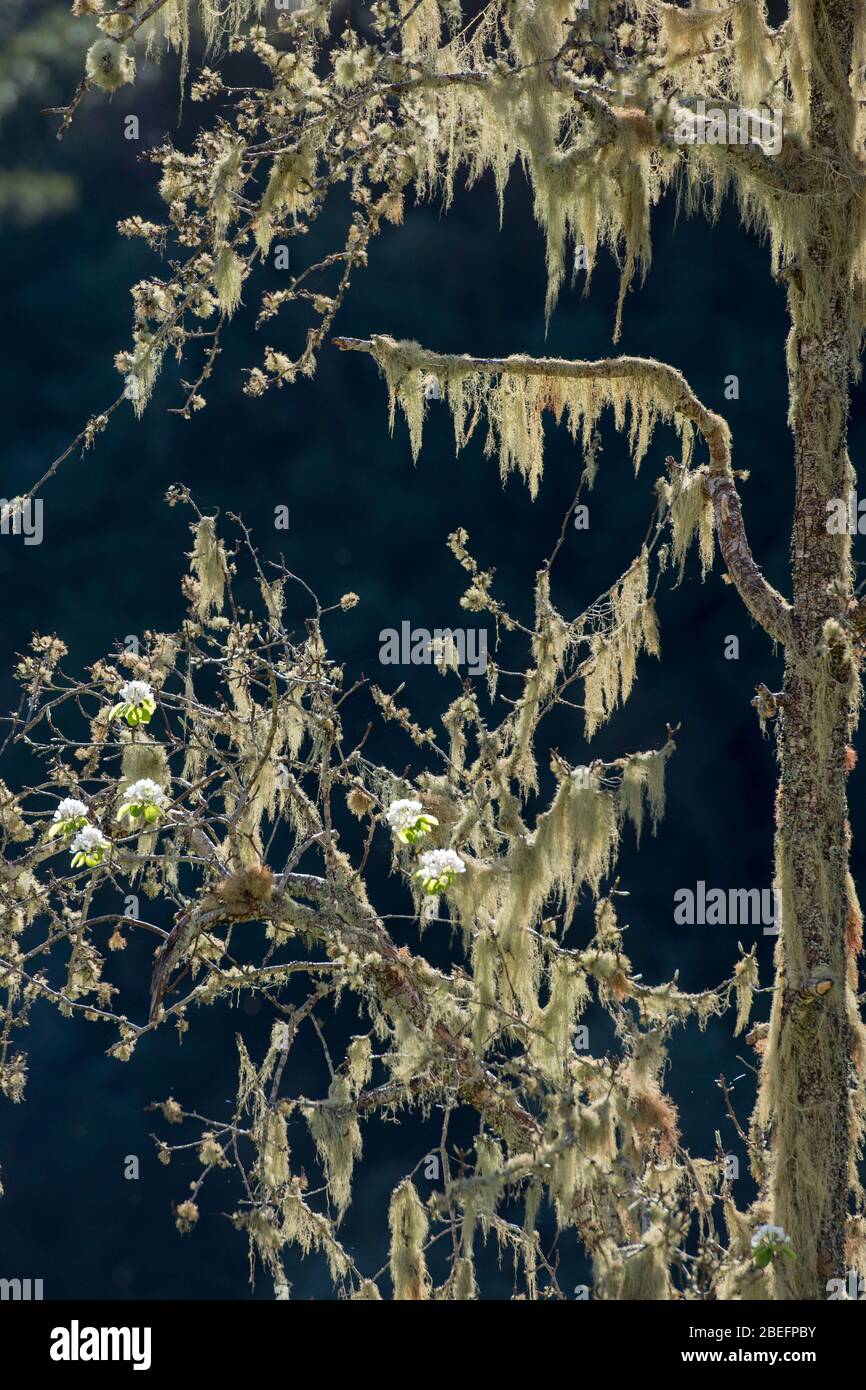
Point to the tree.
(605, 108)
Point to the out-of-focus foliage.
(40, 54)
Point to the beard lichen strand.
(627, 627)
(691, 516)
(143, 757)
(333, 1125)
(210, 568)
(757, 60)
(643, 788)
(552, 640)
(513, 392)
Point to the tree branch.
(766, 604)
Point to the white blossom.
(135, 692)
(88, 838)
(145, 793)
(767, 1233)
(401, 814)
(440, 863)
(70, 809)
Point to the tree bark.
(807, 1070)
(808, 1098)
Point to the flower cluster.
(136, 704)
(768, 1243)
(71, 815)
(88, 848)
(437, 869)
(143, 800)
(88, 844)
(409, 821)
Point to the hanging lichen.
(208, 564)
(408, 1224)
(334, 1127)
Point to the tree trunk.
(815, 1030)
(807, 1095)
